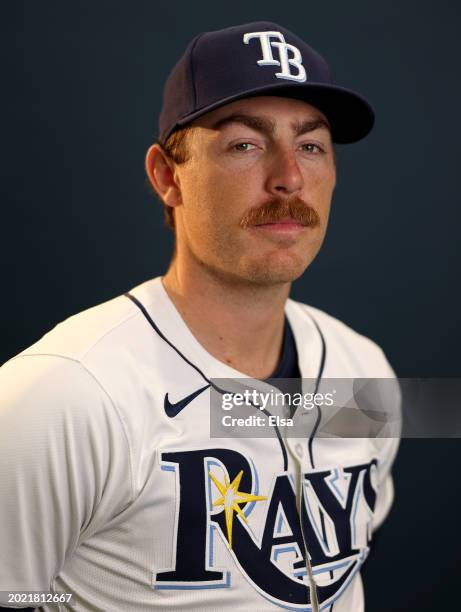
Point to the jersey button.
(299, 450)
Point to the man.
(113, 489)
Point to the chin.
(277, 270)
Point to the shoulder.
(89, 371)
(69, 375)
(86, 331)
(102, 338)
(348, 352)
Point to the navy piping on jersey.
(197, 369)
(317, 384)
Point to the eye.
(310, 147)
(243, 147)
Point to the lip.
(287, 224)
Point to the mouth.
(286, 224)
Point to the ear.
(160, 172)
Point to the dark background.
(81, 90)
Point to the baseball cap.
(254, 59)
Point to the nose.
(284, 176)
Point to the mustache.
(276, 208)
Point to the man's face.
(256, 189)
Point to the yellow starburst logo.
(230, 498)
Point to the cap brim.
(350, 116)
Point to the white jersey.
(112, 488)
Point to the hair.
(176, 148)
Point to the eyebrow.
(267, 126)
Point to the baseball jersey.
(113, 489)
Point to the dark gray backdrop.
(81, 90)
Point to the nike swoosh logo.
(173, 410)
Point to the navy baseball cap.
(254, 59)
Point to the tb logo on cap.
(283, 48)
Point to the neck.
(237, 322)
